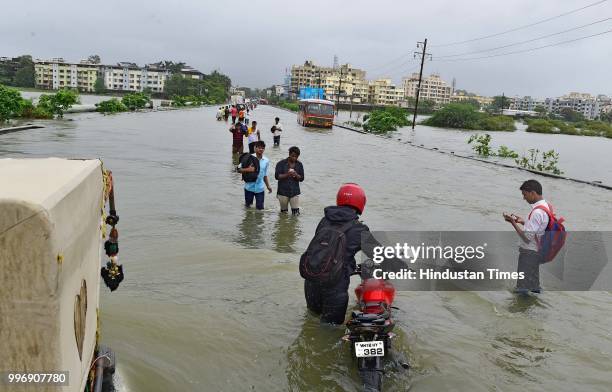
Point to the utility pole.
(418, 92)
(339, 89)
(319, 85)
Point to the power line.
(524, 42)
(402, 65)
(522, 27)
(530, 49)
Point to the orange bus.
(316, 112)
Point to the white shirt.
(252, 137)
(279, 129)
(535, 225)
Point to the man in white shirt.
(533, 229)
(277, 128)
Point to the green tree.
(112, 105)
(10, 103)
(472, 101)
(541, 110)
(571, 115)
(500, 102)
(99, 86)
(135, 101)
(455, 115)
(59, 102)
(94, 59)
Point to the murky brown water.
(213, 301)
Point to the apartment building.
(130, 77)
(56, 74)
(460, 96)
(432, 88)
(588, 105)
(350, 80)
(525, 103)
(347, 86)
(384, 92)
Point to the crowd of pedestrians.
(254, 165)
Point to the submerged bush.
(112, 105)
(465, 116)
(385, 120)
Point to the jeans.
(329, 302)
(259, 199)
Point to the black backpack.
(247, 160)
(323, 260)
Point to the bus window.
(318, 108)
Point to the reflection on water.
(286, 231)
(319, 356)
(251, 229)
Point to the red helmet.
(351, 195)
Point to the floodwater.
(583, 157)
(213, 301)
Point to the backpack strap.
(346, 226)
(549, 212)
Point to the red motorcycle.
(369, 328)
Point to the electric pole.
(418, 91)
(339, 89)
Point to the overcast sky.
(255, 41)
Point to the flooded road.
(583, 157)
(213, 300)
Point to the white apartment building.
(588, 105)
(130, 77)
(432, 88)
(56, 74)
(525, 103)
(384, 92)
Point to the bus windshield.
(319, 108)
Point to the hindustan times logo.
(412, 253)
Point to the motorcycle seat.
(368, 317)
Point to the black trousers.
(252, 147)
(529, 263)
(329, 302)
(276, 140)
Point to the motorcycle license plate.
(374, 348)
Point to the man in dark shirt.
(289, 173)
(237, 138)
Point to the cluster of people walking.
(254, 165)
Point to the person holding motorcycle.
(338, 238)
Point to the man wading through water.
(327, 294)
(529, 258)
(257, 188)
(289, 173)
(276, 129)
(253, 136)
(237, 138)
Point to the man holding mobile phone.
(289, 173)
